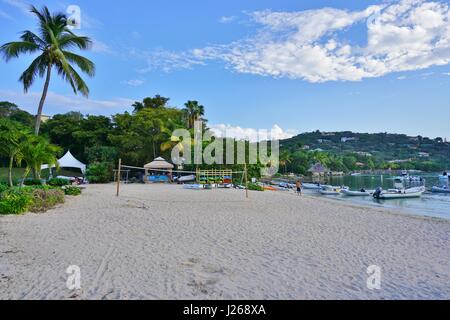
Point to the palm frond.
(13, 49)
(29, 36)
(70, 40)
(38, 66)
(85, 65)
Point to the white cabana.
(159, 169)
(68, 161)
(159, 164)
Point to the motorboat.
(443, 189)
(312, 186)
(331, 191)
(416, 192)
(360, 193)
(184, 179)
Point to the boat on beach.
(360, 193)
(416, 192)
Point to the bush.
(32, 182)
(255, 187)
(72, 191)
(99, 173)
(45, 199)
(15, 201)
(3, 188)
(57, 182)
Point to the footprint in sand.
(204, 277)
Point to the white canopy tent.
(69, 161)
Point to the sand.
(164, 242)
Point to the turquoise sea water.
(434, 205)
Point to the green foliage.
(12, 112)
(3, 188)
(72, 190)
(15, 201)
(45, 199)
(32, 182)
(57, 182)
(99, 173)
(255, 187)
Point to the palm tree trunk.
(11, 160)
(41, 103)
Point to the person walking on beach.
(299, 187)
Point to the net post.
(246, 180)
(118, 177)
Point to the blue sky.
(366, 66)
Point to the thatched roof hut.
(159, 164)
(318, 169)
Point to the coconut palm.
(53, 42)
(36, 151)
(285, 159)
(193, 111)
(11, 135)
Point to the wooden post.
(246, 180)
(118, 176)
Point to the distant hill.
(384, 149)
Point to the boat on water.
(360, 193)
(443, 189)
(331, 191)
(416, 192)
(314, 186)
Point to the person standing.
(299, 187)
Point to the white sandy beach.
(164, 242)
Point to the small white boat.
(186, 178)
(194, 186)
(399, 193)
(360, 193)
(331, 191)
(312, 186)
(443, 189)
(356, 174)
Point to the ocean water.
(430, 204)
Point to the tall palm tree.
(53, 42)
(193, 111)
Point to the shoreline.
(165, 242)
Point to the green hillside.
(370, 151)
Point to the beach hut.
(159, 170)
(318, 170)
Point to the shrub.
(45, 199)
(99, 173)
(72, 191)
(57, 182)
(32, 182)
(255, 187)
(14, 201)
(3, 188)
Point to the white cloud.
(100, 47)
(5, 15)
(134, 82)
(251, 134)
(166, 60)
(227, 19)
(19, 4)
(314, 45)
(63, 103)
